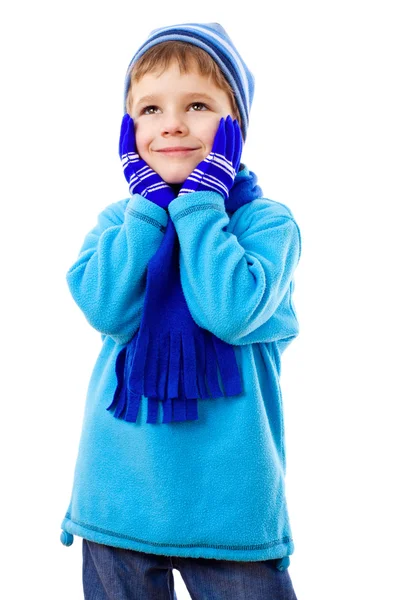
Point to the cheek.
(206, 135)
(142, 140)
(209, 142)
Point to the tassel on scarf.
(178, 370)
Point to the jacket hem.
(248, 552)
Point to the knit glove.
(218, 170)
(140, 177)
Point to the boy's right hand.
(140, 177)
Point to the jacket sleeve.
(108, 279)
(238, 282)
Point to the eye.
(198, 106)
(149, 110)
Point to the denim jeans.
(118, 574)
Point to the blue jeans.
(118, 574)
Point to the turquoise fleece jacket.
(213, 487)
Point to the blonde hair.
(188, 56)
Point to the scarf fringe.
(175, 369)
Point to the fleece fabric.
(171, 359)
(213, 487)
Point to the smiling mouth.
(176, 150)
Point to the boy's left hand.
(218, 170)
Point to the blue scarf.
(170, 359)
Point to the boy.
(182, 458)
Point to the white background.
(325, 139)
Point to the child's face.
(176, 117)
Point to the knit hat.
(212, 38)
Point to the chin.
(175, 178)
(175, 181)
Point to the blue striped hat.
(213, 39)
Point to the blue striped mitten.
(140, 177)
(218, 170)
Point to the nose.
(173, 123)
